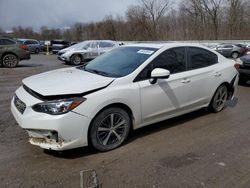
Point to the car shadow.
(72, 153)
(163, 125)
(134, 135)
(23, 66)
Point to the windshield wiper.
(97, 72)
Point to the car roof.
(27, 39)
(166, 44)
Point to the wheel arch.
(82, 58)
(235, 52)
(9, 52)
(230, 88)
(117, 105)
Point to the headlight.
(57, 107)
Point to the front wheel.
(76, 59)
(219, 99)
(10, 60)
(109, 129)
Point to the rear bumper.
(244, 73)
(25, 56)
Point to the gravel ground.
(199, 149)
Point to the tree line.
(158, 20)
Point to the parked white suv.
(85, 50)
(127, 88)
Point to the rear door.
(94, 50)
(203, 75)
(105, 46)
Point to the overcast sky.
(57, 13)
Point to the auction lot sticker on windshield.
(148, 52)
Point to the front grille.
(20, 105)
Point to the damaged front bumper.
(53, 132)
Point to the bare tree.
(155, 10)
(235, 12)
(212, 8)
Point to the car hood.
(66, 81)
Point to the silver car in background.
(230, 50)
(85, 50)
(34, 46)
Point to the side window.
(199, 58)
(172, 60)
(105, 44)
(6, 42)
(228, 46)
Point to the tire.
(10, 60)
(76, 59)
(37, 51)
(109, 129)
(219, 99)
(235, 55)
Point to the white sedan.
(127, 88)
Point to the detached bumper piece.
(49, 138)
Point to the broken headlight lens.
(57, 107)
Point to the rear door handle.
(186, 80)
(217, 74)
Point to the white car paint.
(149, 103)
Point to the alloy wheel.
(76, 60)
(111, 130)
(235, 55)
(220, 98)
(10, 60)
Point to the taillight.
(23, 46)
(237, 66)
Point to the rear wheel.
(235, 55)
(37, 51)
(219, 99)
(76, 59)
(109, 129)
(10, 60)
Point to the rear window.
(199, 58)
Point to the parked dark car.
(244, 69)
(11, 52)
(33, 45)
(57, 45)
(230, 50)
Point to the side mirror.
(159, 73)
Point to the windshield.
(120, 61)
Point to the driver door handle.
(217, 74)
(186, 80)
